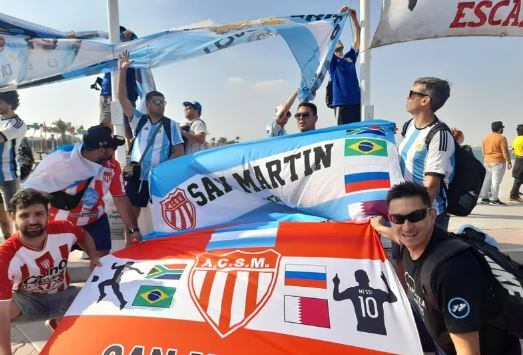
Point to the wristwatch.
(134, 230)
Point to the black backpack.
(504, 274)
(463, 191)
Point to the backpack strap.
(439, 126)
(405, 127)
(443, 251)
(141, 122)
(167, 128)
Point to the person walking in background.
(496, 159)
(346, 94)
(517, 171)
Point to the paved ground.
(505, 223)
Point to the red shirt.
(25, 269)
(92, 205)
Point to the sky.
(240, 87)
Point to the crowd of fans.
(72, 212)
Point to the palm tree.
(62, 128)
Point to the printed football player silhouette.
(114, 282)
(412, 4)
(367, 301)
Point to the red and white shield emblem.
(107, 176)
(177, 211)
(230, 289)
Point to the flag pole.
(116, 108)
(367, 110)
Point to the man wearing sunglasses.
(155, 135)
(459, 324)
(432, 165)
(306, 117)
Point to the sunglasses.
(158, 102)
(411, 93)
(300, 115)
(412, 217)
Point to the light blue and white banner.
(16, 27)
(340, 173)
(30, 62)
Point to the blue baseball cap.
(194, 104)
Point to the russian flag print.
(317, 288)
(314, 276)
(367, 181)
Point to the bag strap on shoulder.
(141, 122)
(438, 126)
(405, 127)
(167, 128)
(443, 251)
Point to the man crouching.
(34, 283)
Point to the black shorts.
(348, 114)
(138, 192)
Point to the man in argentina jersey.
(431, 165)
(164, 146)
(34, 283)
(12, 130)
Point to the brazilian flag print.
(154, 296)
(355, 146)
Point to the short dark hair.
(519, 129)
(152, 94)
(29, 197)
(437, 89)
(11, 98)
(496, 126)
(409, 189)
(310, 105)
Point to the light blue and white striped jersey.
(416, 160)
(274, 129)
(12, 130)
(159, 150)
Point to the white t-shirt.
(196, 126)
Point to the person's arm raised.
(123, 64)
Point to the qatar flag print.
(307, 311)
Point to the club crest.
(177, 211)
(230, 289)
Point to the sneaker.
(484, 201)
(516, 199)
(51, 324)
(497, 203)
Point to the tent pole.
(116, 108)
(367, 110)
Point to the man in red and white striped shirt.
(103, 175)
(34, 283)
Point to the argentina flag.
(311, 39)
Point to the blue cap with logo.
(194, 104)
